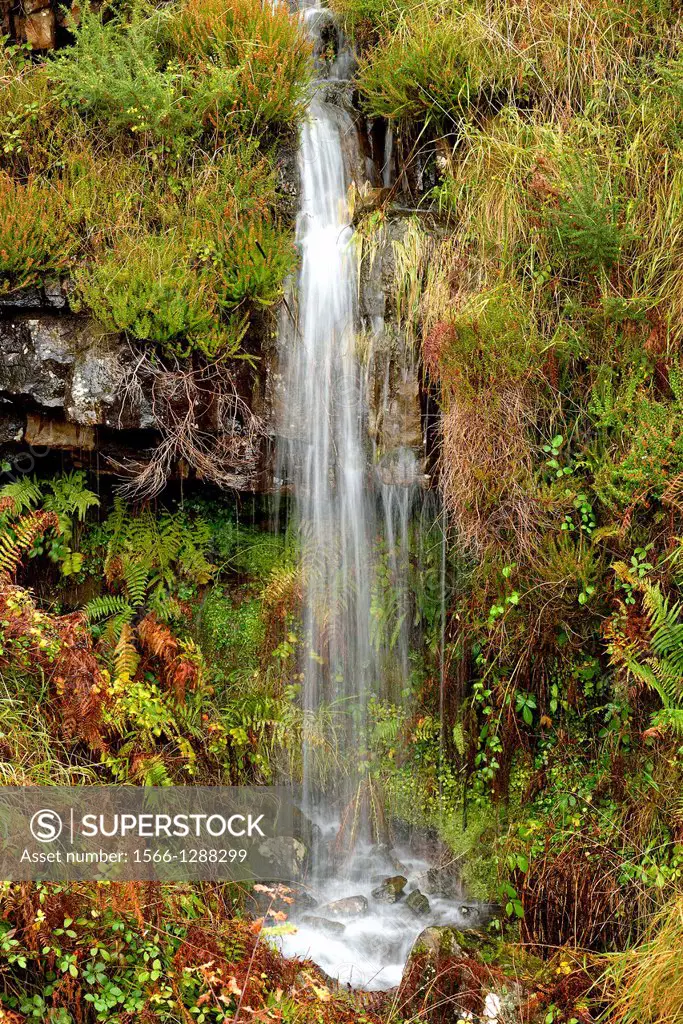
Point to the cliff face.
(40, 23)
(65, 384)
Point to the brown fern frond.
(22, 538)
(126, 656)
(179, 669)
(61, 648)
(113, 569)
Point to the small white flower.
(491, 1007)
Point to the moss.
(494, 343)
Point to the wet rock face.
(443, 881)
(66, 385)
(392, 376)
(332, 928)
(61, 364)
(38, 22)
(12, 424)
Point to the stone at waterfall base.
(391, 889)
(349, 907)
(285, 855)
(332, 928)
(417, 902)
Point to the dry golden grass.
(646, 982)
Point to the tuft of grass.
(437, 69)
(645, 983)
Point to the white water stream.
(349, 520)
(323, 419)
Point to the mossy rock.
(445, 941)
(438, 941)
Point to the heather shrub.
(188, 291)
(585, 220)
(35, 233)
(644, 458)
(248, 262)
(148, 287)
(257, 49)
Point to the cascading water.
(323, 419)
(355, 521)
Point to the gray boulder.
(391, 889)
(284, 857)
(418, 903)
(350, 907)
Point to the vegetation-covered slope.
(545, 139)
(550, 320)
(140, 161)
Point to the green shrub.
(258, 554)
(170, 290)
(147, 287)
(493, 342)
(438, 70)
(249, 262)
(586, 220)
(651, 457)
(35, 233)
(233, 632)
(114, 74)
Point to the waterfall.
(325, 453)
(355, 507)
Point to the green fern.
(166, 545)
(136, 579)
(659, 663)
(107, 605)
(70, 497)
(25, 493)
(165, 606)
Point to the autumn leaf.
(277, 915)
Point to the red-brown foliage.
(177, 671)
(60, 646)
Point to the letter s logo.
(46, 826)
